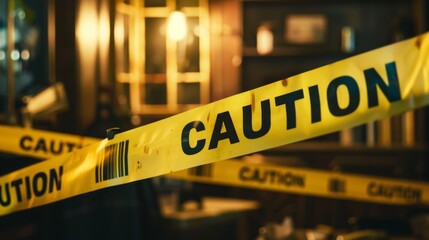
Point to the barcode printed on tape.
(201, 171)
(337, 185)
(112, 162)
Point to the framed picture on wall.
(306, 29)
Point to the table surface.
(212, 207)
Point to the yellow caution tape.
(38, 143)
(308, 182)
(347, 93)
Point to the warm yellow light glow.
(41, 101)
(264, 40)
(176, 26)
(48, 101)
(87, 27)
(25, 55)
(87, 44)
(87, 31)
(119, 31)
(103, 28)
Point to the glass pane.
(123, 96)
(155, 3)
(188, 50)
(28, 59)
(155, 93)
(188, 93)
(187, 3)
(122, 42)
(31, 47)
(155, 46)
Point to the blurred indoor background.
(127, 63)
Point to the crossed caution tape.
(347, 93)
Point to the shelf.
(159, 78)
(354, 149)
(297, 51)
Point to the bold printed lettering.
(354, 96)
(28, 187)
(41, 145)
(5, 196)
(243, 172)
(38, 185)
(406, 193)
(256, 176)
(289, 179)
(223, 119)
(17, 185)
(28, 143)
(315, 104)
(265, 121)
(22, 142)
(43, 185)
(272, 177)
(186, 146)
(71, 146)
(390, 90)
(289, 101)
(55, 179)
(56, 151)
(370, 189)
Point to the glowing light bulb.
(264, 40)
(14, 55)
(176, 26)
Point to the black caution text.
(28, 187)
(55, 147)
(407, 193)
(226, 128)
(272, 177)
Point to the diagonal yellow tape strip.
(39, 144)
(308, 182)
(347, 93)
